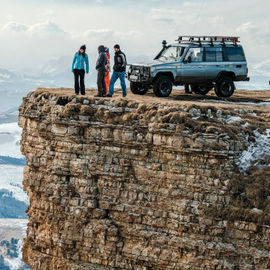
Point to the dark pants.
(187, 89)
(79, 73)
(101, 83)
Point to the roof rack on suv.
(208, 39)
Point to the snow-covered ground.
(10, 136)
(13, 200)
(257, 82)
(256, 152)
(11, 171)
(11, 180)
(15, 224)
(16, 229)
(17, 262)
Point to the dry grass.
(248, 193)
(177, 97)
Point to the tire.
(163, 86)
(138, 89)
(201, 89)
(224, 87)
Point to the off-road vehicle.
(201, 62)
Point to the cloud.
(246, 28)
(45, 29)
(98, 33)
(49, 13)
(53, 27)
(14, 27)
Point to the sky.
(34, 31)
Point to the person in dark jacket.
(101, 69)
(79, 64)
(119, 71)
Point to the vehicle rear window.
(213, 55)
(235, 53)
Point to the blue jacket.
(79, 62)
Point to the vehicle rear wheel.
(138, 89)
(201, 89)
(163, 86)
(224, 87)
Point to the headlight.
(152, 69)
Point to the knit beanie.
(83, 47)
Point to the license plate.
(133, 78)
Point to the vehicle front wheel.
(201, 89)
(163, 86)
(138, 89)
(224, 87)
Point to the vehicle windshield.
(172, 53)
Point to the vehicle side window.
(213, 55)
(235, 53)
(196, 54)
(219, 55)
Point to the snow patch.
(15, 263)
(195, 113)
(14, 223)
(11, 180)
(245, 125)
(233, 119)
(10, 136)
(256, 151)
(258, 104)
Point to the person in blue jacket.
(79, 64)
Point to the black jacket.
(120, 62)
(102, 59)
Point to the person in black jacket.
(101, 69)
(119, 71)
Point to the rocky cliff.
(146, 183)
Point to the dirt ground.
(256, 100)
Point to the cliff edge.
(146, 183)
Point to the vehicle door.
(171, 59)
(193, 67)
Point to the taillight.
(247, 70)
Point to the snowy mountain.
(12, 232)
(9, 116)
(13, 200)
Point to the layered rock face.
(120, 184)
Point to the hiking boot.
(98, 96)
(108, 95)
(124, 95)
